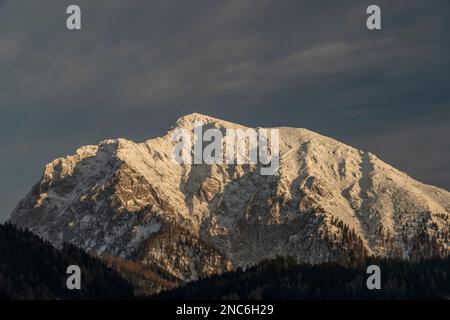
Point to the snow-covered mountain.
(328, 202)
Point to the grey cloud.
(421, 148)
(137, 65)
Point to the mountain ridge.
(328, 202)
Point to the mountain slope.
(282, 279)
(328, 202)
(33, 269)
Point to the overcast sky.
(136, 66)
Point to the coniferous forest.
(284, 279)
(31, 268)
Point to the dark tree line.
(285, 279)
(31, 268)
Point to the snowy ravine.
(328, 202)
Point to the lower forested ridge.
(31, 268)
(285, 279)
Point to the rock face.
(328, 202)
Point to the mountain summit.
(328, 202)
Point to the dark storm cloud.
(136, 66)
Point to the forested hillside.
(31, 268)
(284, 279)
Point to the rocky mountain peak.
(327, 202)
(188, 122)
